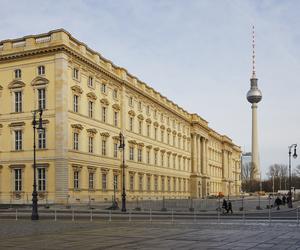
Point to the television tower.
(254, 96)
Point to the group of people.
(281, 201)
(227, 206)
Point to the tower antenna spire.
(253, 53)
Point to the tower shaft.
(255, 173)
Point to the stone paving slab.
(125, 235)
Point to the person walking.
(230, 207)
(283, 200)
(224, 206)
(278, 202)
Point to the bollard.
(109, 218)
(194, 216)
(73, 216)
(91, 218)
(129, 215)
(172, 216)
(244, 216)
(269, 212)
(55, 216)
(16, 214)
(150, 215)
(218, 215)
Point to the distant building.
(87, 102)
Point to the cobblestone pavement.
(25, 234)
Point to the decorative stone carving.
(131, 112)
(116, 107)
(91, 95)
(77, 126)
(16, 84)
(105, 134)
(148, 120)
(104, 101)
(140, 117)
(92, 131)
(39, 81)
(77, 89)
(17, 124)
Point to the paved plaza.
(25, 234)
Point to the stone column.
(194, 154)
(199, 165)
(61, 128)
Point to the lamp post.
(290, 202)
(122, 148)
(35, 215)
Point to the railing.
(44, 39)
(151, 216)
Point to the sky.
(197, 53)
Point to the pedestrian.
(224, 206)
(283, 200)
(278, 202)
(230, 207)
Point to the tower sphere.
(254, 95)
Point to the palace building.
(87, 101)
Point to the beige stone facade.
(87, 102)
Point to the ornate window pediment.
(104, 101)
(1, 88)
(91, 95)
(131, 112)
(116, 106)
(148, 120)
(77, 126)
(39, 81)
(105, 134)
(77, 89)
(16, 84)
(162, 127)
(92, 131)
(155, 124)
(140, 116)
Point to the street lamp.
(290, 203)
(35, 215)
(122, 148)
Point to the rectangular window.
(75, 73)
(116, 116)
(103, 147)
(174, 138)
(155, 184)
(168, 161)
(140, 183)
(168, 138)
(41, 70)
(115, 182)
(91, 109)
(42, 139)
(41, 173)
(130, 101)
(162, 135)
(155, 133)
(42, 99)
(155, 158)
(162, 184)
(140, 106)
(148, 157)
(104, 115)
(115, 94)
(18, 140)
(131, 153)
(169, 185)
(18, 73)
(91, 180)
(148, 110)
(75, 103)
(91, 144)
(162, 159)
(140, 155)
(104, 182)
(148, 183)
(18, 179)
(140, 127)
(75, 141)
(131, 123)
(91, 81)
(76, 180)
(18, 101)
(174, 185)
(131, 182)
(116, 148)
(148, 130)
(103, 88)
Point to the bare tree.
(247, 171)
(280, 174)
